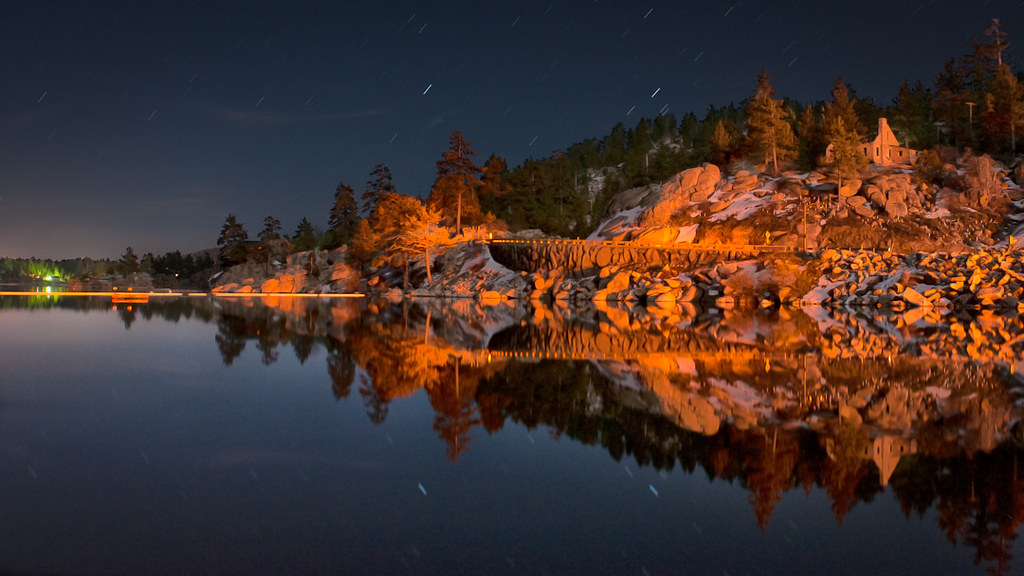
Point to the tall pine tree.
(305, 237)
(232, 242)
(843, 105)
(847, 158)
(377, 187)
(454, 191)
(344, 215)
(768, 131)
(271, 229)
(1003, 113)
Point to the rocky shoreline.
(958, 263)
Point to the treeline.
(976, 102)
(382, 225)
(34, 268)
(170, 265)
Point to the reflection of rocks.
(887, 377)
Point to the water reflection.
(926, 406)
(775, 401)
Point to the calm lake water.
(262, 436)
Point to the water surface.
(340, 436)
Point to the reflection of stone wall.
(579, 257)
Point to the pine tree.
(810, 138)
(378, 186)
(768, 132)
(419, 231)
(129, 263)
(305, 237)
(271, 230)
(454, 189)
(494, 192)
(843, 105)
(721, 143)
(911, 116)
(997, 44)
(951, 101)
(847, 158)
(232, 242)
(344, 215)
(1003, 113)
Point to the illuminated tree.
(1003, 113)
(232, 242)
(417, 231)
(768, 131)
(846, 158)
(378, 231)
(454, 190)
(344, 215)
(811, 137)
(721, 143)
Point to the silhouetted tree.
(344, 215)
(232, 242)
(842, 105)
(271, 229)
(305, 237)
(377, 187)
(129, 263)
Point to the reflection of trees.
(127, 314)
(981, 504)
(770, 472)
(453, 398)
(340, 365)
(846, 477)
(230, 337)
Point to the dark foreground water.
(304, 436)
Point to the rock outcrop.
(310, 272)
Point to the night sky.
(145, 124)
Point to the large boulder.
(896, 209)
(849, 188)
(688, 187)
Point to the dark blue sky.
(144, 124)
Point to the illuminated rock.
(658, 236)
(849, 188)
(915, 298)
